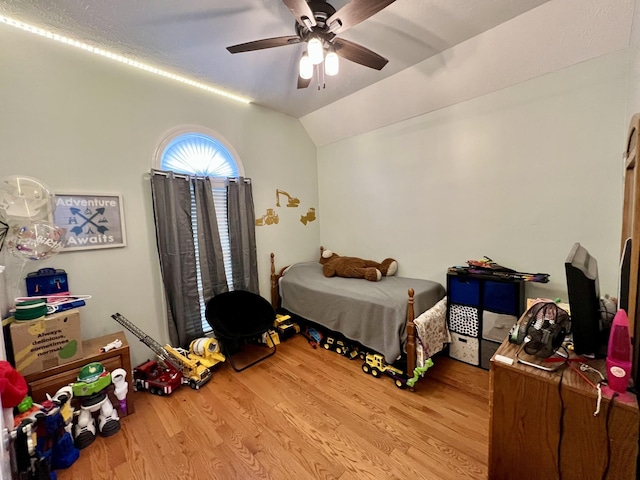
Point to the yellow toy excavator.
(293, 202)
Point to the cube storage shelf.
(480, 312)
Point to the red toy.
(157, 378)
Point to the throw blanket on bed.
(433, 334)
(372, 313)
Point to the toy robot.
(62, 398)
(91, 387)
(118, 377)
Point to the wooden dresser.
(50, 380)
(535, 419)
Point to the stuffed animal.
(354, 267)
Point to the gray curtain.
(172, 204)
(214, 279)
(242, 235)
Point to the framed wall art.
(91, 220)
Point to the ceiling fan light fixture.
(315, 50)
(306, 67)
(317, 25)
(331, 64)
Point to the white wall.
(85, 124)
(518, 175)
(555, 35)
(633, 89)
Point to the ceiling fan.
(318, 24)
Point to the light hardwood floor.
(303, 413)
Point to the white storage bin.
(464, 348)
(463, 319)
(496, 326)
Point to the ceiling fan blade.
(302, 12)
(359, 54)
(303, 83)
(264, 43)
(354, 12)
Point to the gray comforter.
(372, 313)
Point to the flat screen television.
(590, 334)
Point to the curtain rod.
(189, 177)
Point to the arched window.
(194, 150)
(197, 153)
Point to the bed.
(379, 315)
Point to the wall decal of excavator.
(272, 218)
(293, 202)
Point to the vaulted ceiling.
(189, 37)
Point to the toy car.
(285, 326)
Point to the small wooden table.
(52, 379)
(534, 419)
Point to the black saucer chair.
(239, 319)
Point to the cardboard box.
(564, 306)
(46, 343)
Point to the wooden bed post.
(411, 336)
(631, 229)
(274, 283)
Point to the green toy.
(92, 379)
(418, 372)
(25, 404)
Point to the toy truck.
(340, 347)
(156, 378)
(193, 371)
(375, 365)
(207, 351)
(285, 326)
